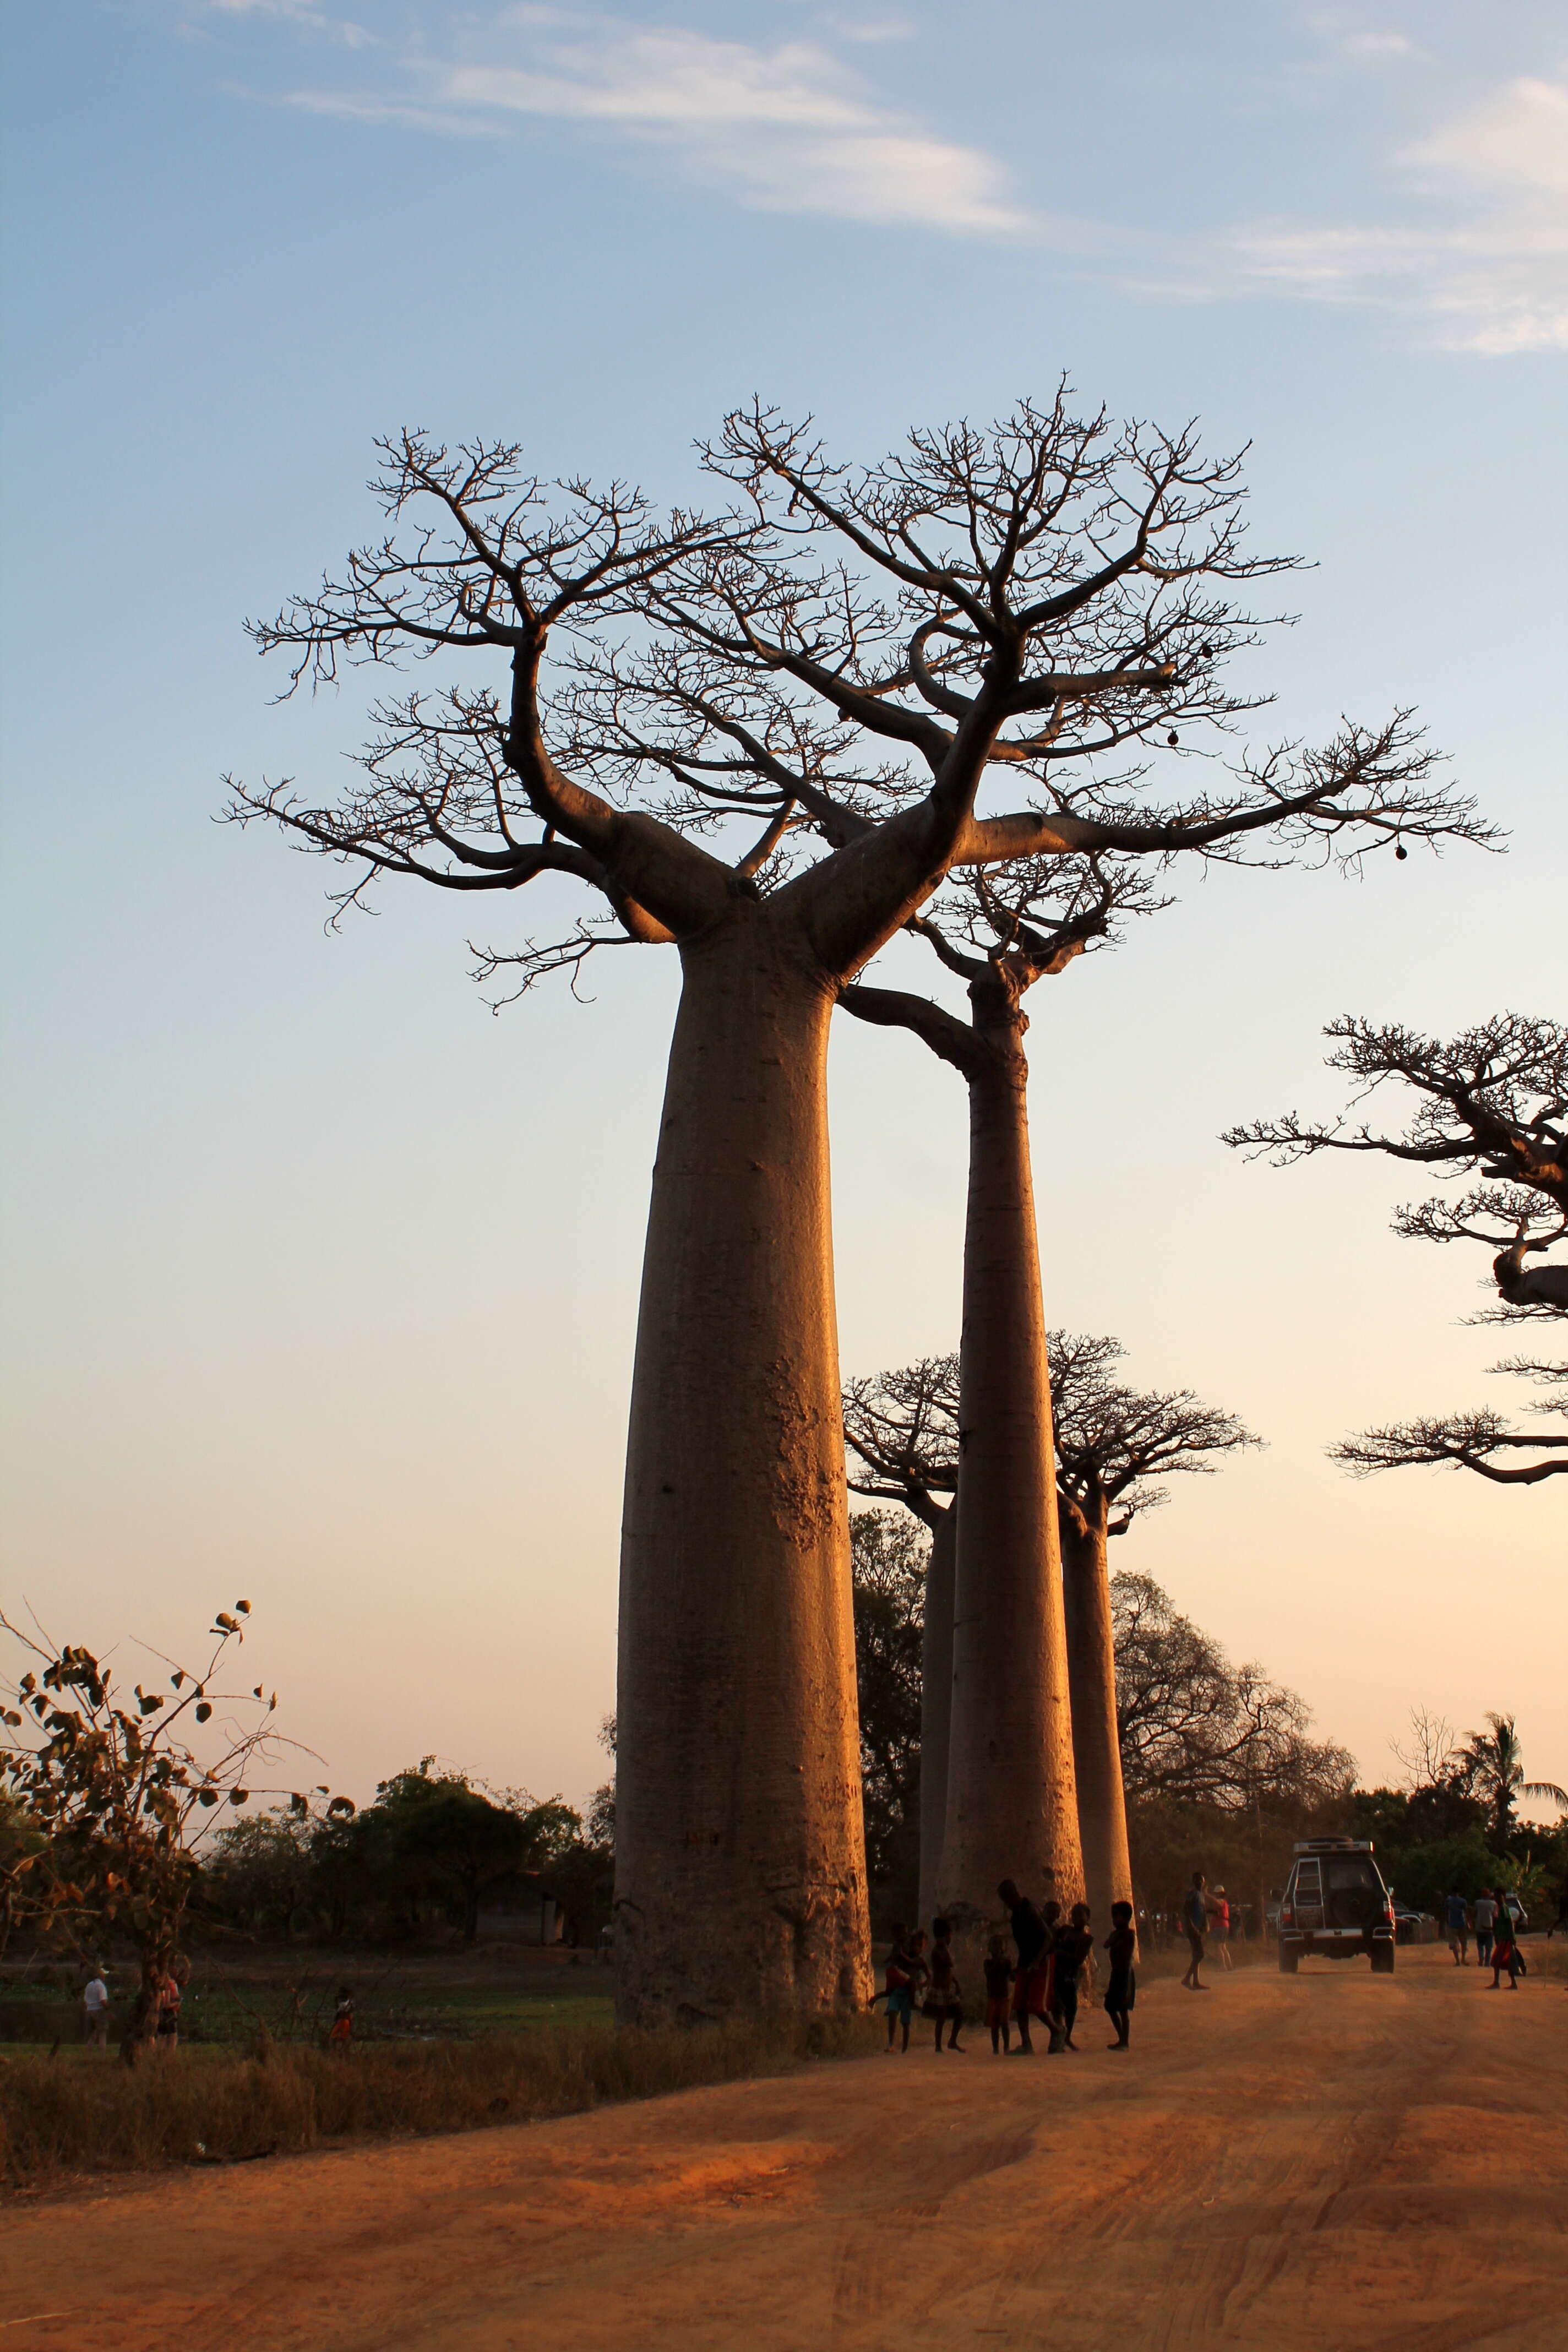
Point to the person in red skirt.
(1032, 1977)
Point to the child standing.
(1122, 1990)
(998, 1978)
(942, 2001)
(1073, 1945)
(899, 1985)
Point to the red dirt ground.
(1328, 2163)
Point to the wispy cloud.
(786, 126)
(1492, 277)
(298, 15)
(1470, 239)
(1364, 45)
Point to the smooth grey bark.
(1012, 1806)
(1095, 1736)
(739, 1861)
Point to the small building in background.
(520, 1908)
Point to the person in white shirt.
(1484, 1913)
(95, 2002)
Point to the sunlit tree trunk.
(1012, 1809)
(1096, 1741)
(741, 1882)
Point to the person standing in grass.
(1195, 1920)
(167, 2033)
(95, 2009)
(1121, 1989)
(342, 2020)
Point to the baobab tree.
(845, 659)
(901, 1431)
(1114, 1445)
(1006, 1759)
(1491, 1103)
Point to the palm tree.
(1492, 1763)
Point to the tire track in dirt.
(1325, 2163)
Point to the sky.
(321, 1279)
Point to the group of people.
(1040, 1984)
(168, 1991)
(1490, 1921)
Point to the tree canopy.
(1491, 1103)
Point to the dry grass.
(62, 2120)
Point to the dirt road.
(1332, 2162)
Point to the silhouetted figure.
(998, 1985)
(1484, 1911)
(1072, 1945)
(1195, 1920)
(942, 2002)
(1456, 1920)
(1031, 1978)
(899, 1985)
(1121, 1990)
(1505, 1953)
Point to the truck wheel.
(1383, 1960)
(1289, 1961)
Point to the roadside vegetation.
(218, 2106)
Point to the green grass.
(289, 1995)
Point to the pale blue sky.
(322, 1280)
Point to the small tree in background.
(1494, 1767)
(900, 1433)
(121, 1801)
(1218, 1763)
(891, 1559)
(1491, 1103)
(1114, 1445)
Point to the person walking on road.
(998, 1986)
(1505, 1953)
(1195, 1920)
(1219, 1916)
(1484, 1911)
(1121, 1989)
(1457, 1919)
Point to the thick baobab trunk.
(1096, 1741)
(740, 1853)
(936, 1703)
(1011, 1809)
